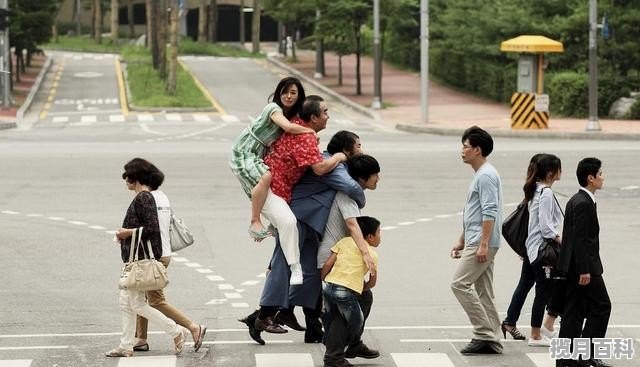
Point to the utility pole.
(424, 61)
(593, 124)
(5, 75)
(377, 56)
(319, 73)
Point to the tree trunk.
(54, 32)
(18, 53)
(213, 21)
(282, 48)
(132, 30)
(294, 58)
(358, 51)
(202, 22)
(155, 50)
(114, 21)
(98, 20)
(162, 25)
(149, 13)
(173, 49)
(77, 9)
(93, 20)
(255, 27)
(241, 14)
(340, 70)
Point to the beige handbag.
(142, 275)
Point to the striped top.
(261, 133)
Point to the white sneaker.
(542, 342)
(296, 274)
(548, 333)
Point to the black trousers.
(590, 302)
(336, 336)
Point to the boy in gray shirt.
(477, 246)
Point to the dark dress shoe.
(289, 319)
(600, 363)
(342, 363)
(269, 326)
(253, 332)
(477, 346)
(361, 351)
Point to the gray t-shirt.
(343, 208)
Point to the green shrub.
(568, 94)
(610, 90)
(188, 47)
(634, 112)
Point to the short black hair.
(311, 107)
(479, 138)
(586, 167)
(368, 225)
(341, 141)
(362, 166)
(144, 172)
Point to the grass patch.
(148, 89)
(189, 47)
(82, 44)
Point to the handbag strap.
(132, 245)
(554, 198)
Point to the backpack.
(179, 235)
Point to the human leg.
(484, 288)
(541, 300)
(525, 283)
(598, 308)
(125, 348)
(357, 348)
(279, 213)
(258, 198)
(466, 276)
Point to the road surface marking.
(421, 360)
(541, 359)
(154, 361)
(284, 360)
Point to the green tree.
(293, 14)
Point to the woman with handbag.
(141, 223)
(544, 221)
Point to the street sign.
(542, 103)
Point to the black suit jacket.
(580, 250)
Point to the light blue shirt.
(545, 219)
(484, 203)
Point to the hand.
(584, 279)
(481, 253)
(455, 250)
(123, 233)
(368, 260)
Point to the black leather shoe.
(253, 332)
(477, 346)
(362, 351)
(600, 363)
(289, 319)
(566, 363)
(269, 326)
(343, 363)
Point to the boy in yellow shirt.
(344, 282)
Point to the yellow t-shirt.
(349, 269)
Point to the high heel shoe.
(515, 333)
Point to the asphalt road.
(61, 195)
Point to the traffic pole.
(593, 124)
(424, 61)
(377, 58)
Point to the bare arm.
(363, 246)
(328, 265)
(327, 165)
(278, 118)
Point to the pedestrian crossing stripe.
(155, 361)
(421, 360)
(541, 359)
(16, 363)
(88, 119)
(284, 360)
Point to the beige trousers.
(157, 300)
(473, 287)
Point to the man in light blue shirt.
(478, 244)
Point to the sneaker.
(548, 333)
(542, 342)
(296, 274)
(362, 351)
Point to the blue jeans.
(343, 301)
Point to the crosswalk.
(306, 360)
(91, 119)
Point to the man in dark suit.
(586, 295)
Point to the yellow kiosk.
(529, 105)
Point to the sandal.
(198, 342)
(182, 339)
(119, 352)
(515, 333)
(259, 235)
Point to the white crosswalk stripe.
(16, 363)
(541, 359)
(421, 360)
(76, 119)
(284, 360)
(201, 118)
(116, 118)
(155, 361)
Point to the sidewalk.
(450, 111)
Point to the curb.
(344, 100)
(7, 125)
(522, 134)
(34, 90)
